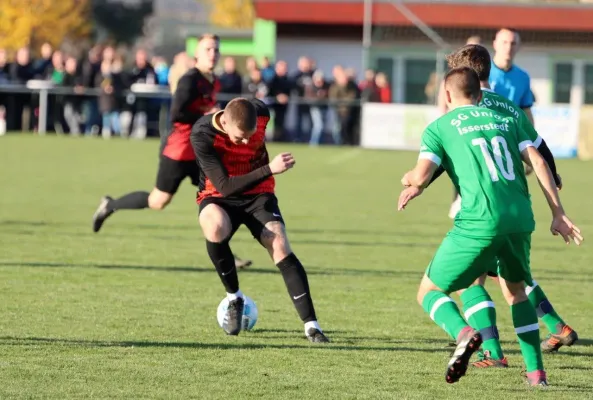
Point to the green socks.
(480, 313)
(544, 309)
(527, 329)
(444, 312)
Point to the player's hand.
(562, 225)
(282, 163)
(406, 180)
(407, 195)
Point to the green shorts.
(460, 259)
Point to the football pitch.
(131, 312)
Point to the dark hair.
(464, 80)
(242, 113)
(473, 56)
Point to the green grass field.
(131, 312)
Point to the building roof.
(564, 15)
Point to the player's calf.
(444, 312)
(441, 308)
(525, 323)
(480, 313)
(217, 229)
(274, 239)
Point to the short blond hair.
(205, 36)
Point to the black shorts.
(172, 172)
(254, 211)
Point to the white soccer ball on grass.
(250, 313)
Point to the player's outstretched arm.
(421, 175)
(212, 166)
(561, 224)
(415, 181)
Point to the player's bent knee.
(215, 223)
(513, 292)
(515, 298)
(158, 200)
(426, 285)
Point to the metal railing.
(46, 89)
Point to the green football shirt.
(504, 106)
(481, 151)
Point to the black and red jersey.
(228, 169)
(194, 96)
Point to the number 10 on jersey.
(499, 144)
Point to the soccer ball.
(249, 313)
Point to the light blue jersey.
(513, 84)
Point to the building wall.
(410, 65)
(537, 64)
(327, 53)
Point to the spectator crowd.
(95, 99)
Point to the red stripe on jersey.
(241, 159)
(178, 146)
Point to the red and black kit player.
(194, 97)
(237, 187)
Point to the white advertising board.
(394, 126)
(400, 126)
(559, 126)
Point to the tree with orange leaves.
(238, 14)
(33, 22)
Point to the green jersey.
(506, 107)
(481, 151)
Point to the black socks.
(297, 284)
(131, 201)
(291, 268)
(224, 262)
